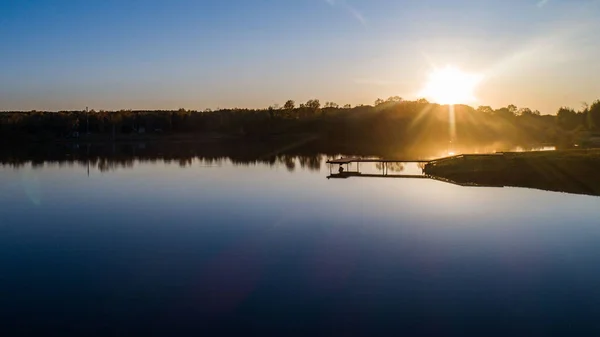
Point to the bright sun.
(450, 85)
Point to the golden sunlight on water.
(454, 150)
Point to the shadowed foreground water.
(159, 248)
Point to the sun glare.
(450, 85)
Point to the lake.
(273, 247)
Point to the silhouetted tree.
(594, 116)
(568, 119)
(486, 110)
(289, 105)
(506, 113)
(313, 104)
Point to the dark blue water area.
(257, 250)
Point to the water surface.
(175, 248)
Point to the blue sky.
(151, 54)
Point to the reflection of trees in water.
(312, 162)
(107, 158)
(289, 162)
(106, 165)
(393, 167)
(185, 162)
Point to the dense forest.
(387, 124)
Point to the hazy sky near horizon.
(195, 54)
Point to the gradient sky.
(154, 54)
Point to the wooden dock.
(346, 175)
(349, 160)
(345, 161)
(357, 160)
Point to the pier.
(347, 161)
(357, 160)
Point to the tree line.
(392, 122)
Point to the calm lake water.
(182, 248)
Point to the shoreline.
(571, 171)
